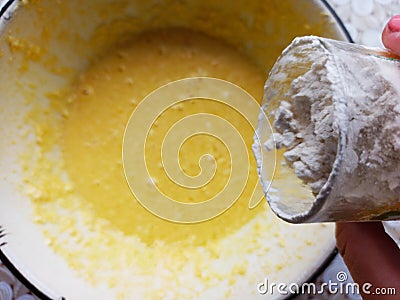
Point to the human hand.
(391, 35)
(371, 257)
(370, 254)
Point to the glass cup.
(335, 111)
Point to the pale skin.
(370, 254)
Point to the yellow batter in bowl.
(103, 101)
(72, 164)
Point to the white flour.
(305, 127)
(308, 123)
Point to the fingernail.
(394, 24)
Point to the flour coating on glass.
(308, 120)
(305, 126)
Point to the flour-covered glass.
(335, 112)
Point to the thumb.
(391, 35)
(371, 256)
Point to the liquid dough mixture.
(91, 218)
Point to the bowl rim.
(7, 8)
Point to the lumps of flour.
(305, 126)
(335, 113)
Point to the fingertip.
(391, 35)
(394, 24)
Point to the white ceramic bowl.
(45, 44)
